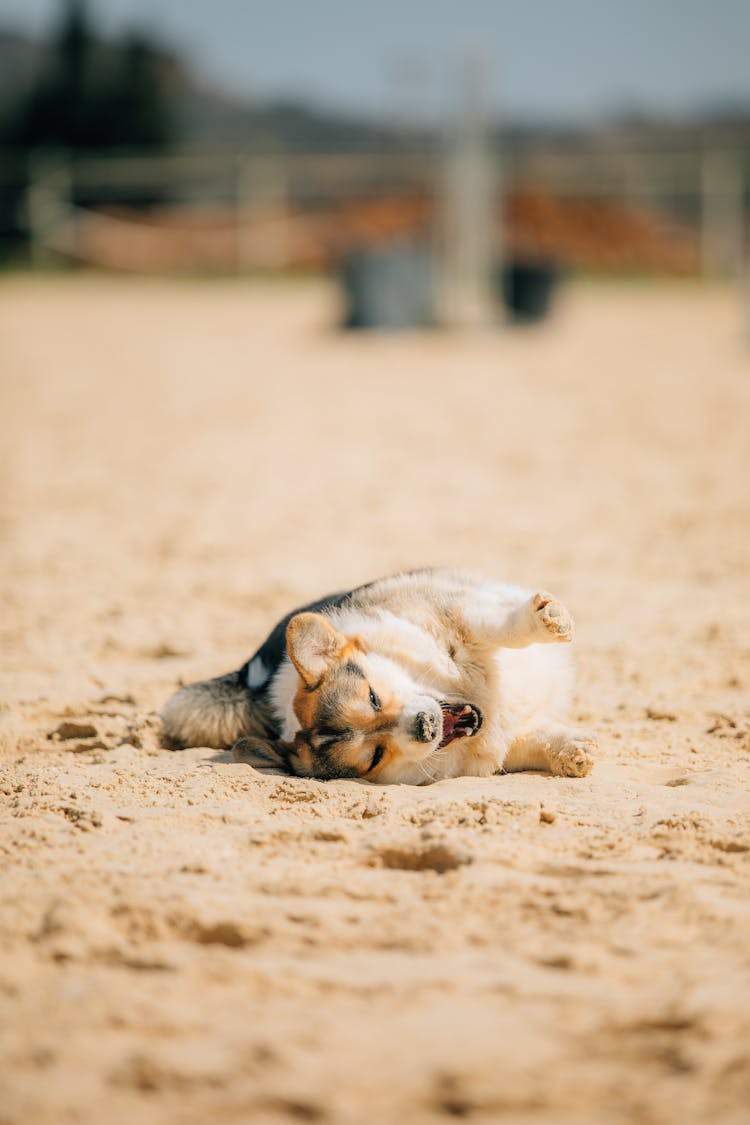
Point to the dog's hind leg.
(560, 749)
(509, 618)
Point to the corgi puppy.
(422, 676)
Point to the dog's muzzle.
(426, 727)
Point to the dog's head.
(360, 713)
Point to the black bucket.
(527, 289)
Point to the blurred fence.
(665, 212)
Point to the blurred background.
(447, 165)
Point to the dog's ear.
(313, 645)
(262, 754)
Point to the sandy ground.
(184, 940)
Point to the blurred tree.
(54, 110)
(138, 109)
(95, 95)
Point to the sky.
(557, 60)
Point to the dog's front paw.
(551, 618)
(574, 758)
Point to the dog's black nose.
(425, 727)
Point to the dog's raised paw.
(552, 617)
(574, 758)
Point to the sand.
(184, 940)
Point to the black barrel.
(527, 289)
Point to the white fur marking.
(257, 673)
(283, 690)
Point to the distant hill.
(204, 116)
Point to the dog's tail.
(210, 713)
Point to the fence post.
(260, 183)
(48, 203)
(722, 218)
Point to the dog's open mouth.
(460, 720)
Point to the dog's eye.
(374, 700)
(377, 757)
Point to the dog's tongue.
(460, 720)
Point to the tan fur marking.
(305, 706)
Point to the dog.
(425, 675)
